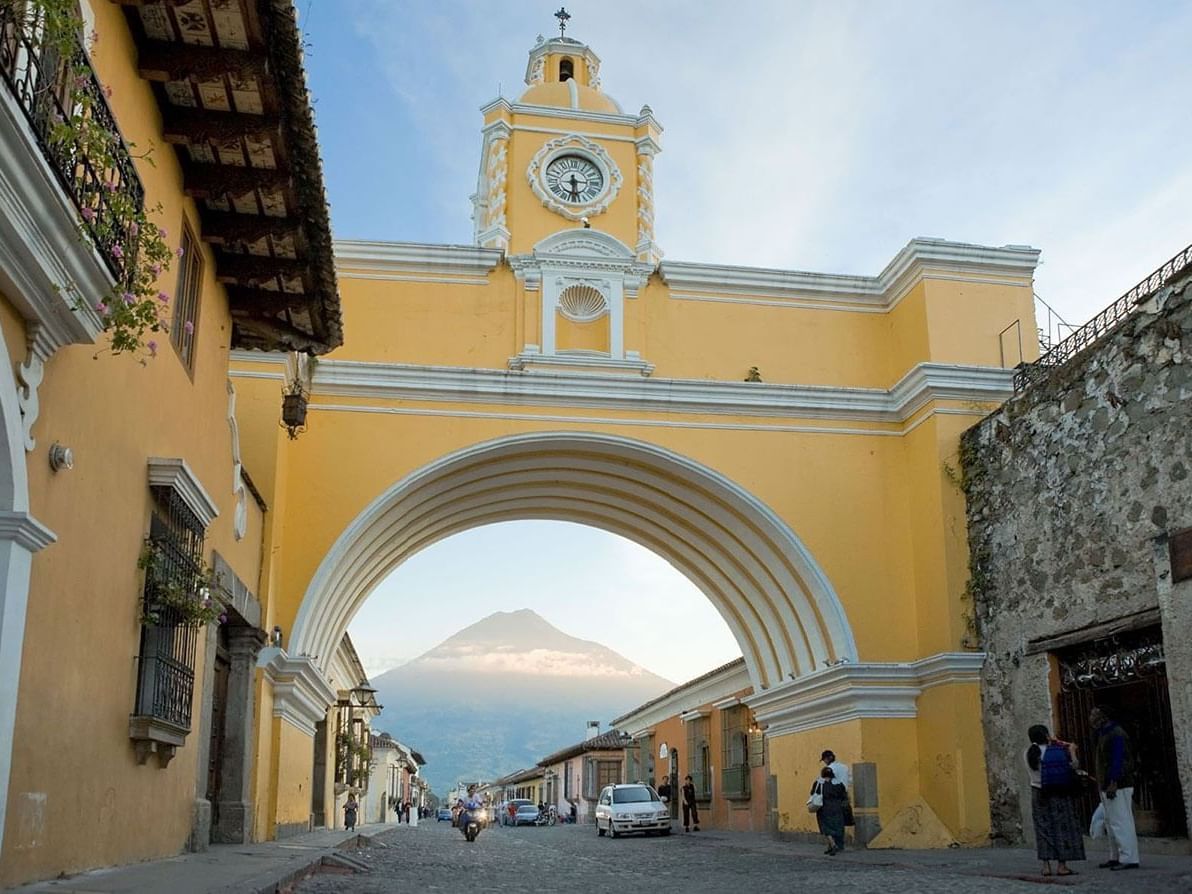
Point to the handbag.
(816, 800)
(848, 815)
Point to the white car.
(631, 808)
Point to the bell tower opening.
(566, 69)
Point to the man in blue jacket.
(1113, 763)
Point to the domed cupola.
(564, 73)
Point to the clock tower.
(566, 191)
(564, 151)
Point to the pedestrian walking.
(408, 806)
(1052, 767)
(351, 808)
(840, 771)
(1114, 767)
(831, 814)
(690, 811)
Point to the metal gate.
(1126, 676)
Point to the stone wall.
(1072, 489)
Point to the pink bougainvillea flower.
(88, 214)
(181, 251)
(117, 251)
(133, 229)
(107, 91)
(80, 82)
(189, 327)
(112, 185)
(129, 298)
(162, 232)
(101, 308)
(155, 269)
(152, 346)
(163, 297)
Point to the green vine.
(184, 602)
(136, 308)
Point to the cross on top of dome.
(563, 16)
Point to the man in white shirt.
(839, 770)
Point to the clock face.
(574, 179)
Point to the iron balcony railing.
(52, 81)
(1102, 324)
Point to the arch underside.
(778, 604)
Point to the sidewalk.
(242, 868)
(985, 862)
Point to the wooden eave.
(229, 80)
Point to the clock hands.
(574, 191)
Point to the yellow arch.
(764, 582)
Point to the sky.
(816, 136)
(586, 582)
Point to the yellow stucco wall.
(84, 597)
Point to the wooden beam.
(163, 60)
(199, 125)
(224, 227)
(243, 269)
(249, 300)
(212, 181)
(273, 335)
(1145, 618)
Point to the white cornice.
(50, 273)
(175, 473)
(925, 383)
(921, 258)
(692, 695)
(859, 691)
(695, 714)
(301, 696)
(397, 260)
(26, 531)
(729, 702)
(525, 108)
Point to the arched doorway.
(755, 570)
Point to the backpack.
(1056, 775)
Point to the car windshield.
(633, 794)
(527, 808)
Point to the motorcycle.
(471, 822)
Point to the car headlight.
(662, 814)
(620, 816)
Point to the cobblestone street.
(435, 857)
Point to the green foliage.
(136, 308)
(184, 599)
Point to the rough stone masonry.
(1074, 488)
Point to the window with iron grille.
(184, 325)
(166, 670)
(568, 788)
(698, 756)
(735, 751)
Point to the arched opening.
(566, 69)
(764, 583)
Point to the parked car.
(527, 815)
(506, 818)
(622, 809)
(444, 814)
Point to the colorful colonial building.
(783, 438)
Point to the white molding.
(694, 714)
(396, 260)
(579, 364)
(919, 259)
(574, 144)
(730, 702)
(860, 691)
(301, 696)
(50, 272)
(174, 472)
(704, 690)
(239, 490)
(923, 384)
(25, 531)
(525, 108)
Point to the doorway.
(219, 714)
(1127, 676)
